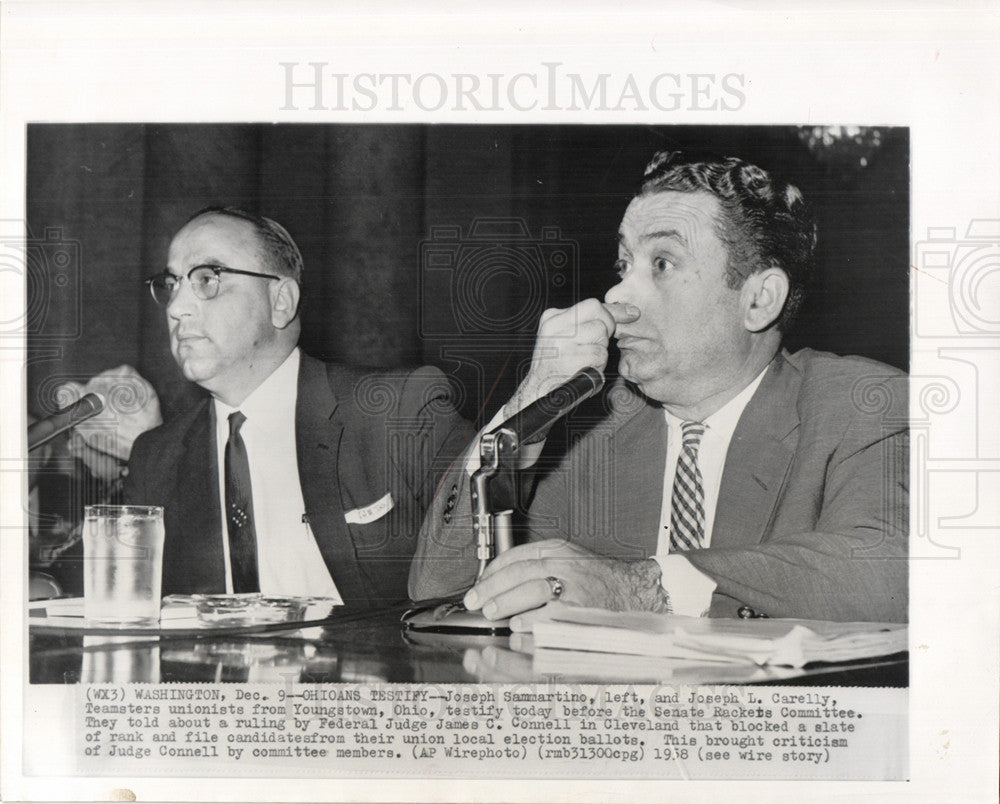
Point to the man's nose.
(182, 301)
(618, 293)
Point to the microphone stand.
(498, 451)
(493, 529)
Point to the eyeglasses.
(204, 281)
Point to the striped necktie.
(687, 502)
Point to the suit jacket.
(360, 434)
(812, 515)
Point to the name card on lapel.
(377, 510)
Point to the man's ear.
(284, 302)
(763, 296)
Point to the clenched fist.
(569, 340)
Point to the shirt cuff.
(689, 588)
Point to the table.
(372, 647)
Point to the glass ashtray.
(249, 609)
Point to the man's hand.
(569, 340)
(516, 581)
(131, 407)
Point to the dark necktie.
(239, 510)
(687, 503)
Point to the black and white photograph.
(442, 426)
(436, 254)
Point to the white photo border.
(934, 70)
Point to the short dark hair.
(765, 221)
(280, 251)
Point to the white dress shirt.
(288, 559)
(690, 589)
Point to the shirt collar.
(723, 422)
(273, 399)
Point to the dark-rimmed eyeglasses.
(204, 281)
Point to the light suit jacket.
(812, 515)
(360, 434)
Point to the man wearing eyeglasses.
(287, 481)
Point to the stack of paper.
(791, 643)
(588, 666)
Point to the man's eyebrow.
(659, 234)
(206, 263)
(668, 234)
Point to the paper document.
(791, 643)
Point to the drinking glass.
(122, 559)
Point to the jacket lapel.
(197, 546)
(318, 433)
(640, 448)
(759, 456)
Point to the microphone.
(493, 527)
(532, 424)
(62, 420)
(493, 487)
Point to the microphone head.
(594, 375)
(62, 420)
(91, 404)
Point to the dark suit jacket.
(359, 435)
(812, 515)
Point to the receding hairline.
(715, 215)
(203, 216)
(269, 236)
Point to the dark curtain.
(437, 244)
